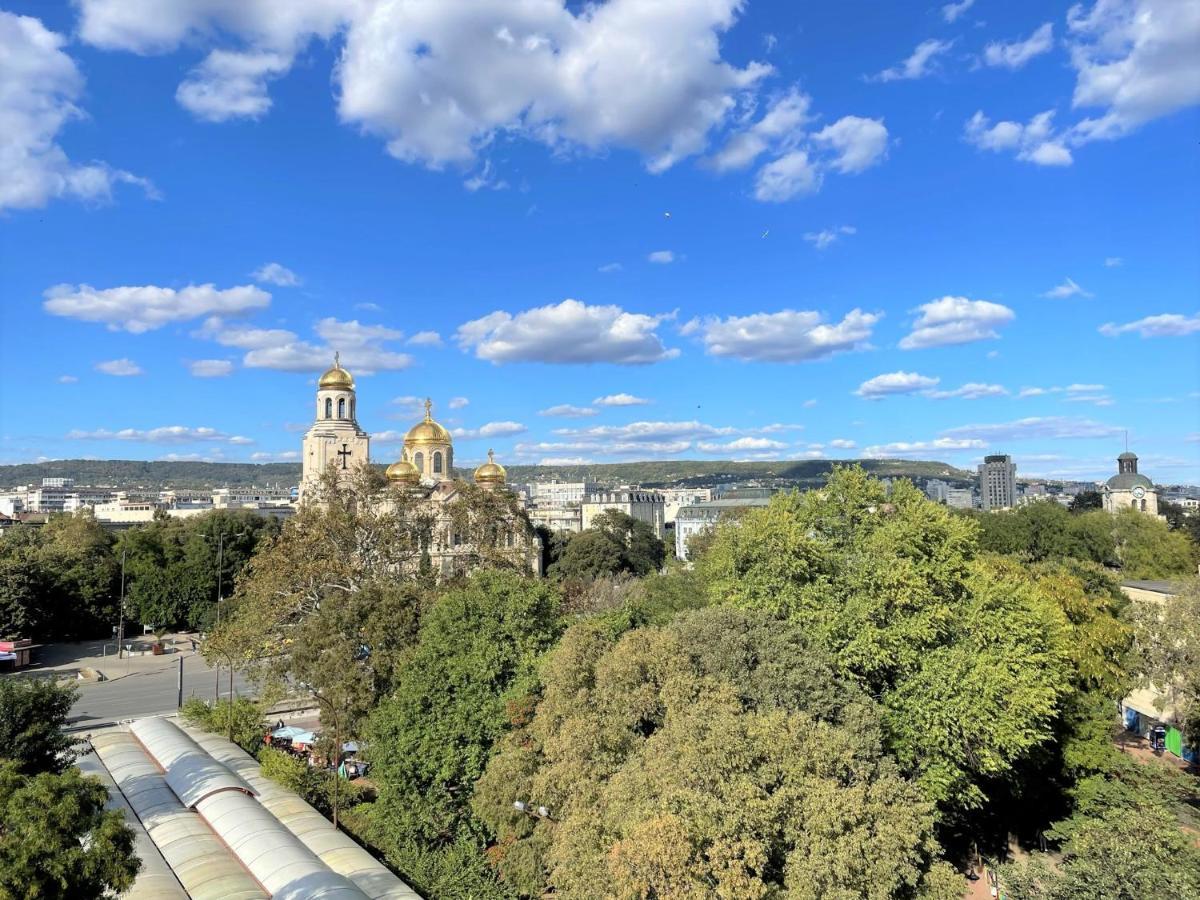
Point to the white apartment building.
(937, 490)
(126, 512)
(701, 517)
(647, 506)
(557, 516)
(55, 495)
(560, 491)
(960, 498)
(236, 498)
(997, 482)
(674, 499)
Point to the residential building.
(557, 516)
(937, 490)
(648, 506)
(560, 491)
(674, 499)
(997, 482)
(701, 517)
(960, 498)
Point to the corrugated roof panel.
(191, 773)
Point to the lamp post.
(121, 610)
(220, 598)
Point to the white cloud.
(121, 367)
(274, 273)
(368, 307)
(1165, 325)
(784, 178)
(567, 411)
(809, 404)
(231, 85)
(661, 256)
(210, 368)
(567, 332)
(362, 347)
(916, 448)
(1136, 60)
(425, 339)
(1111, 262)
(956, 320)
(485, 178)
(145, 308)
(951, 11)
(1067, 289)
(971, 391)
(634, 434)
(283, 456)
(1034, 142)
(39, 88)
(780, 127)
(921, 62)
(458, 402)
(610, 267)
(1070, 389)
(168, 434)
(842, 444)
(1035, 428)
(826, 237)
(743, 443)
(620, 400)
(895, 383)
(564, 461)
(491, 429)
(857, 142)
(1017, 53)
(67, 379)
(788, 336)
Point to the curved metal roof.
(1127, 481)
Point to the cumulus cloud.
(788, 336)
(1111, 262)
(567, 411)
(491, 429)
(283, 456)
(892, 383)
(458, 402)
(1035, 428)
(1067, 289)
(145, 308)
(567, 332)
(825, 238)
(921, 62)
(634, 434)
(661, 256)
(120, 367)
(842, 444)
(956, 320)
(1015, 54)
(916, 448)
(780, 128)
(608, 268)
(274, 273)
(1070, 389)
(67, 379)
(784, 178)
(620, 400)
(741, 444)
(857, 143)
(168, 434)
(363, 347)
(1034, 142)
(971, 391)
(210, 368)
(425, 339)
(39, 88)
(1165, 325)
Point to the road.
(147, 691)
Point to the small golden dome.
(403, 472)
(491, 472)
(427, 431)
(337, 378)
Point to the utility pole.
(121, 611)
(217, 684)
(179, 683)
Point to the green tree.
(615, 544)
(456, 693)
(1168, 644)
(716, 756)
(33, 712)
(1147, 548)
(241, 720)
(57, 840)
(1086, 500)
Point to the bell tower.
(335, 438)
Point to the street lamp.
(220, 599)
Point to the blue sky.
(674, 230)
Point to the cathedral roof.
(336, 378)
(403, 472)
(427, 431)
(491, 472)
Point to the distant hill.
(130, 474)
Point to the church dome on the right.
(1129, 489)
(491, 473)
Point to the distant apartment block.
(997, 482)
(937, 490)
(960, 498)
(648, 506)
(701, 517)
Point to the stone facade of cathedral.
(424, 472)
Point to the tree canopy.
(33, 712)
(615, 544)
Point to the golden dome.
(337, 378)
(403, 472)
(491, 472)
(427, 431)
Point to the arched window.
(437, 462)
(1134, 504)
(328, 408)
(1143, 506)
(419, 462)
(341, 407)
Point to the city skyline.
(748, 233)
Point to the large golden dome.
(491, 472)
(427, 431)
(403, 472)
(337, 378)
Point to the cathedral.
(424, 471)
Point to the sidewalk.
(69, 659)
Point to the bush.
(32, 714)
(249, 724)
(314, 785)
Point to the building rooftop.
(1157, 587)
